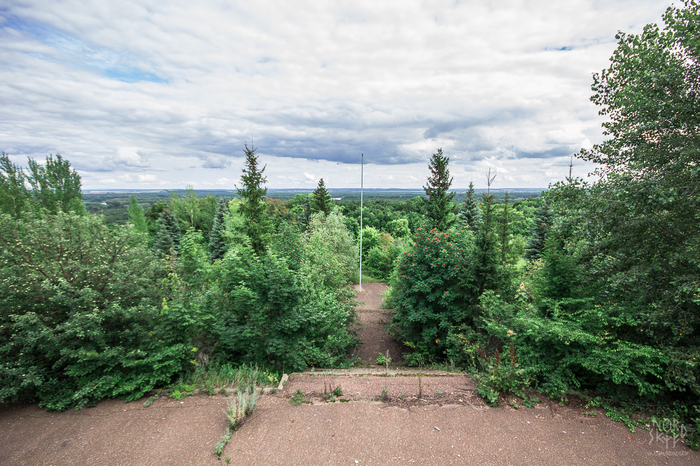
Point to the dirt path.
(435, 419)
(374, 319)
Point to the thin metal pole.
(362, 186)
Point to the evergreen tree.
(439, 205)
(488, 272)
(471, 214)
(258, 226)
(217, 244)
(539, 232)
(137, 215)
(168, 235)
(487, 262)
(320, 199)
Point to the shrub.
(79, 319)
(272, 316)
(434, 290)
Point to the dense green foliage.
(192, 211)
(539, 232)
(167, 238)
(217, 240)
(78, 312)
(92, 311)
(434, 289)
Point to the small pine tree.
(137, 215)
(252, 192)
(439, 205)
(320, 199)
(488, 270)
(471, 214)
(538, 234)
(487, 261)
(168, 234)
(217, 243)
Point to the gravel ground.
(375, 433)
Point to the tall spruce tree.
(320, 199)
(258, 226)
(167, 237)
(471, 214)
(439, 206)
(217, 243)
(539, 232)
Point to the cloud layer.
(149, 93)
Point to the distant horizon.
(156, 190)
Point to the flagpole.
(362, 186)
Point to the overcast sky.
(153, 94)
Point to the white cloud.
(174, 89)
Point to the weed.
(224, 390)
(181, 391)
(529, 401)
(514, 404)
(438, 393)
(238, 409)
(228, 460)
(330, 393)
(402, 396)
(383, 359)
(210, 389)
(219, 448)
(501, 378)
(590, 413)
(150, 401)
(384, 396)
(298, 398)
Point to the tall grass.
(242, 378)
